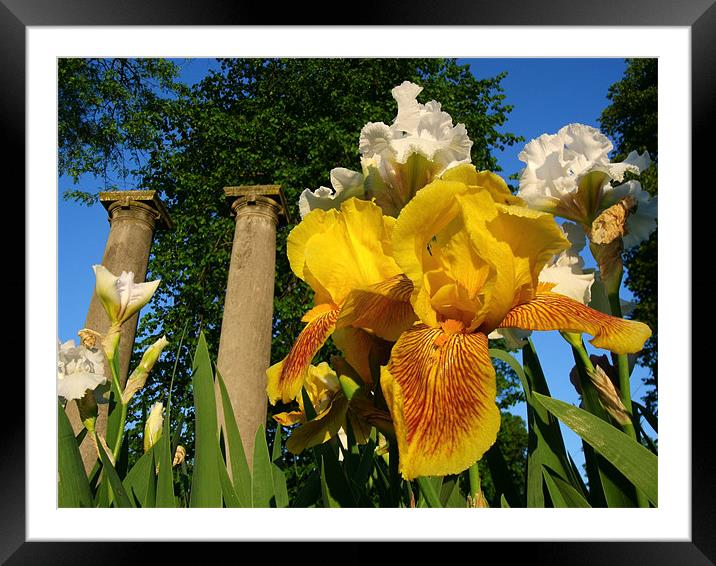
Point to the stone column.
(246, 328)
(133, 215)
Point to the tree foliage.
(631, 120)
(111, 112)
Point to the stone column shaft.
(246, 328)
(132, 217)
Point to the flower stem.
(474, 475)
(428, 491)
(114, 367)
(625, 383)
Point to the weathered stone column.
(133, 215)
(246, 328)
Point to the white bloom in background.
(600, 300)
(345, 183)
(642, 221)
(397, 160)
(566, 272)
(121, 296)
(78, 369)
(153, 426)
(569, 172)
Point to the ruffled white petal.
(346, 184)
(566, 270)
(556, 163)
(642, 222)
(375, 139)
(78, 369)
(408, 116)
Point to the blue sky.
(546, 94)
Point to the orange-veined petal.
(551, 311)
(440, 389)
(285, 379)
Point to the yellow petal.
(285, 379)
(469, 258)
(494, 184)
(313, 225)
(517, 242)
(359, 348)
(551, 311)
(425, 226)
(440, 389)
(290, 418)
(383, 308)
(321, 385)
(324, 427)
(353, 250)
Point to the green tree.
(631, 120)
(111, 113)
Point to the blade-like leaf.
(119, 493)
(205, 485)
(500, 473)
(262, 484)
(279, 478)
(328, 500)
(240, 473)
(310, 491)
(450, 495)
(163, 460)
(73, 489)
(334, 485)
(633, 460)
(227, 489)
(429, 488)
(141, 480)
(561, 493)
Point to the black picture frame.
(698, 15)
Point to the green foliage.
(631, 120)
(629, 457)
(111, 113)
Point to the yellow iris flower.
(332, 411)
(346, 258)
(473, 254)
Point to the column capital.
(138, 200)
(268, 199)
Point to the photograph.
(396, 280)
(357, 282)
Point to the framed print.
(677, 529)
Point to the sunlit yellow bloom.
(331, 408)
(346, 258)
(473, 255)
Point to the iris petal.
(440, 389)
(285, 379)
(550, 311)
